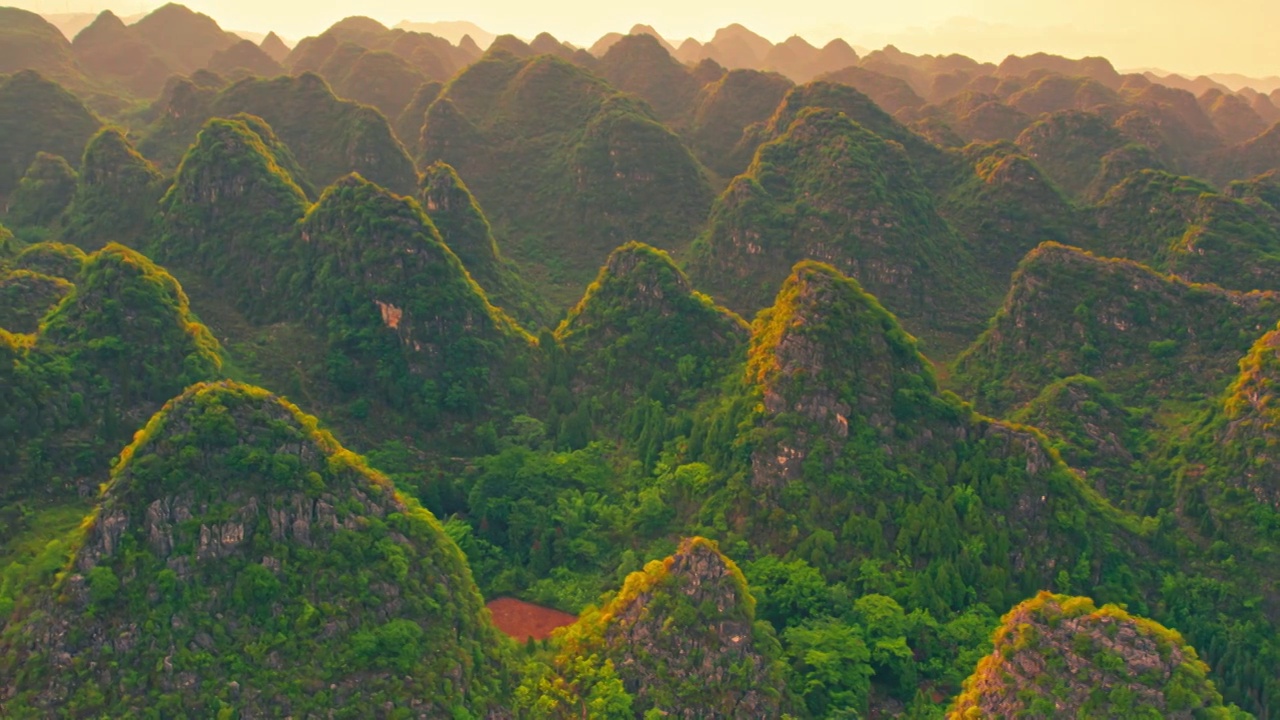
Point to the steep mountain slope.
(682, 638)
(640, 64)
(1057, 655)
(230, 213)
(115, 194)
(1183, 226)
(38, 115)
(830, 189)
(274, 47)
(725, 108)
(1252, 157)
(139, 58)
(465, 229)
(891, 93)
(244, 59)
(43, 193)
(363, 267)
(1231, 482)
(642, 331)
(1069, 147)
(250, 523)
(330, 137)
(1005, 207)
(840, 450)
(1147, 337)
(1095, 434)
(29, 42)
(567, 167)
(119, 346)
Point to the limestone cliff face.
(1059, 656)
(230, 519)
(848, 452)
(682, 637)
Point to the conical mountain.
(244, 59)
(230, 519)
(122, 343)
(639, 64)
(378, 271)
(891, 93)
(1147, 337)
(1248, 159)
(642, 330)
(465, 229)
(230, 213)
(725, 108)
(674, 631)
(848, 100)
(830, 189)
(1095, 434)
(29, 42)
(546, 44)
(185, 38)
(1069, 147)
(115, 195)
(566, 163)
(1234, 451)
(129, 321)
(274, 47)
(38, 115)
(43, 193)
(299, 109)
(1005, 207)
(379, 78)
(1117, 166)
(1184, 226)
(1063, 656)
(850, 458)
(792, 58)
(26, 297)
(1232, 116)
(115, 53)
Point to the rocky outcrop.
(682, 637)
(1059, 656)
(231, 515)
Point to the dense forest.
(789, 382)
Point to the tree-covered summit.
(241, 560)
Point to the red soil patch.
(522, 620)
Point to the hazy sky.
(1188, 36)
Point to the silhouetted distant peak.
(274, 47)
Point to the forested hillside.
(750, 379)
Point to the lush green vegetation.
(43, 193)
(37, 115)
(319, 586)
(1056, 654)
(831, 189)
(567, 167)
(115, 194)
(330, 137)
(593, 446)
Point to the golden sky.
(1188, 36)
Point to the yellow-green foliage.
(334, 578)
(1056, 655)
